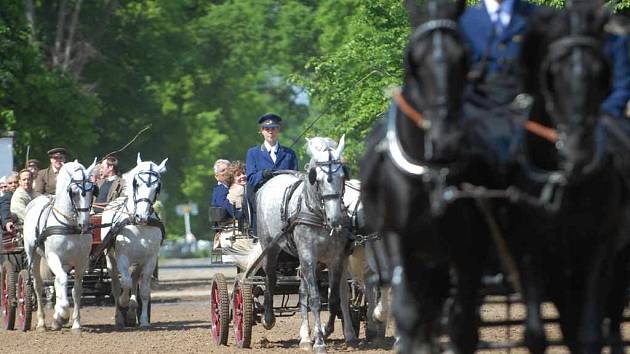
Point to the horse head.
(75, 183)
(436, 65)
(144, 182)
(326, 179)
(573, 78)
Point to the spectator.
(12, 182)
(3, 185)
(46, 181)
(22, 195)
(110, 185)
(221, 189)
(33, 165)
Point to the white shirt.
(503, 11)
(273, 150)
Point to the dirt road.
(180, 324)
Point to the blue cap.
(269, 120)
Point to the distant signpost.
(186, 210)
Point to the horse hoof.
(269, 325)
(352, 343)
(41, 329)
(76, 331)
(306, 346)
(55, 326)
(145, 327)
(319, 349)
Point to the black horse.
(568, 241)
(411, 157)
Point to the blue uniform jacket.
(477, 29)
(219, 199)
(258, 159)
(505, 48)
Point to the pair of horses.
(58, 229)
(558, 229)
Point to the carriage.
(244, 306)
(16, 288)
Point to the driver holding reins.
(494, 30)
(263, 159)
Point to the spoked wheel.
(220, 309)
(24, 301)
(139, 310)
(7, 291)
(243, 307)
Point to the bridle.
(84, 185)
(148, 178)
(330, 167)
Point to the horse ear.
(312, 176)
(340, 146)
(89, 169)
(162, 166)
(138, 160)
(76, 161)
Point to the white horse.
(133, 253)
(362, 266)
(57, 228)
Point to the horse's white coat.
(62, 252)
(132, 260)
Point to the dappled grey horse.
(303, 215)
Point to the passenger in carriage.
(221, 189)
(46, 180)
(22, 195)
(3, 185)
(494, 30)
(12, 182)
(7, 220)
(237, 181)
(263, 159)
(110, 185)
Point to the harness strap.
(56, 230)
(288, 194)
(409, 111)
(108, 241)
(542, 131)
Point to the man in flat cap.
(46, 181)
(262, 159)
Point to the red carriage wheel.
(7, 291)
(243, 307)
(220, 309)
(24, 301)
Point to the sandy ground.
(180, 324)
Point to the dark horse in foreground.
(411, 157)
(570, 246)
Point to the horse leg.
(62, 305)
(534, 337)
(77, 291)
(112, 266)
(269, 319)
(617, 302)
(305, 334)
(309, 269)
(145, 291)
(38, 285)
(338, 282)
(372, 299)
(125, 285)
(594, 301)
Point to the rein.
(414, 115)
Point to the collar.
(111, 178)
(503, 10)
(223, 184)
(52, 168)
(271, 148)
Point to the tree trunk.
(71, 31)
(61, 19)
(29, 9)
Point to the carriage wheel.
(7, 291)
(139, 310)
(220, 309)
(24, 301)
(243, 307)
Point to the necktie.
(272, 153)
(498, 24)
